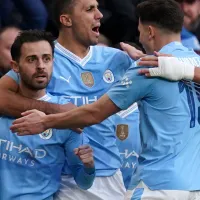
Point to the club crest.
(108, 76)
(46, 135)
(122, 131)
(87, 79)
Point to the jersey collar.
(171, 45)
(72, 56)
(46, 97)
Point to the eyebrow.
(93, 5)
(46, 54)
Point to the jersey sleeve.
(14, 76)
(122, 62)
(132, 88)
(83, 176)
(127, 61)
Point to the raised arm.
(12, 104)
(130, 89)
(169, 68)
(83, 116)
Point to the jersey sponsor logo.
(122, 131)
(129, 159)
(87, 79)
(128, 154)
(20, 154)
(82, 100)
(108, 76)
(46, 135)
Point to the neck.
(165, 39)
(67, 40)
(29, 93)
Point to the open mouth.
(96, 30)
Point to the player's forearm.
(79, 117)
(12, 104)
(86, 115)
(196, 75)
(83, 176)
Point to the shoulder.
(109, 51)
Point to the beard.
(32, 83)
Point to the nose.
(40, 64)
(99, 15)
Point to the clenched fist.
(85, 153)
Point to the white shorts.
(142, 192)
(103, 188)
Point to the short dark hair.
(27, 37)
(165, 14)
(60, 7)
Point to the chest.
(41, 148)
(84, 85)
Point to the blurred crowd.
(119, 23)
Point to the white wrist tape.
(173, 69)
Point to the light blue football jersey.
(84, 81)
(30, 166)
(169, 125)
(128, 141)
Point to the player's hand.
(134, 53)
(85, 153)
(166, 67)
(31, 123)
(152, 61)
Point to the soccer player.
(82, 73)
(169, 161)
(30, 167)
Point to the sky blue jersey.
(84, 81)
(170, 130)
(128, 141)
(30, 166)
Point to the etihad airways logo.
(82, 100)
(129, 159)
(19, 153)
